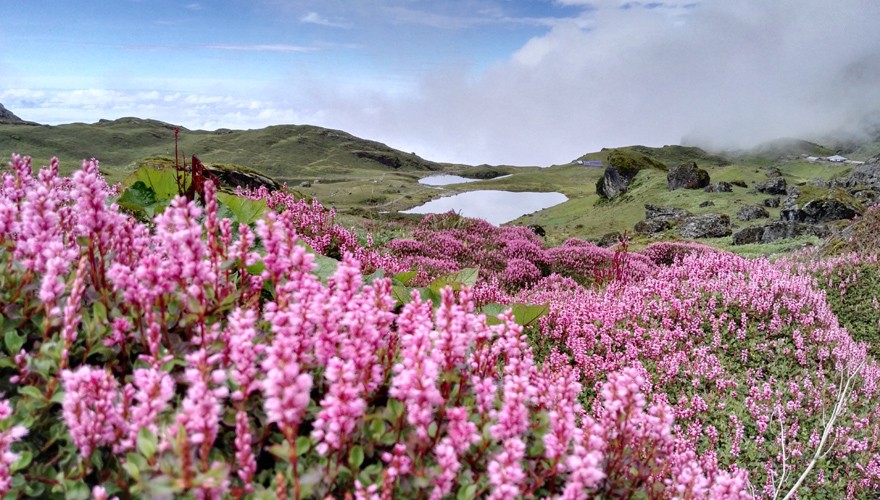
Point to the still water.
(496, 207)
(446, 179)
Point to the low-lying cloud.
(718, 73)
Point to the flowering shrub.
(193, 357)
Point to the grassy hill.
(367, 180)
(288, 153)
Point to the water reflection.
(496, 207)
(446, 179)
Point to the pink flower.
(90, 408)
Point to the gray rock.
(705, 226)
(819, 182)
(658, 219)
(781, 230)
(612, 184)
(687, 176)
(739, 183)
(836, 205)
(867, 196)
(771, 202)
(748, 235)
(707, 203)
(609, 239)
(774, 185)
(658, 212)
(867, 174)
(752, 212)
(719, 187)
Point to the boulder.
(687, 176)
(781, 230)
(705, 226)
(773, 185)
(739, 183)
(748, 235)
(752, 212)
(538, 230)
(865, 175)
(659, 219)
(719, 187)
(771, 202)
(813, 205)
(609, 239)
(707, 203)
(658, 212)
(612, 184)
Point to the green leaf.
(404, 277)
(163, 183)
(246, 211)
(401, 294)
(31, 392)
(147, 443)
(139, 197)
(99, 312)
(356, 456)
(24, 459)
(526, 314)
(133, 471)
(13, 341)
(468, 492)
(466, 277)
(379, 274)
(324, 267)
(397, 407)
(303, 445)
(281, 450)
(376, 429)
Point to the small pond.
(446, 179)
(496, 207)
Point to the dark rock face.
(687, 176)
(659, 219)
(538, 230)
(771, 202)
(609, 239)
(833, 205)
(739, 183)
(781, 230)
(748, 235)
(707, 203)
(867, 174)
(705, 226)
(773, 185)
(752, 212)
(612, 184)
(719, 187)
(7, 116)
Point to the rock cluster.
(687, 176)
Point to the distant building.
(812, 159)
(836, 158)
(588, 163)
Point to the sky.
(520, 82)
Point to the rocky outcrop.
(752, 212)
(687, 176)
(612, 184)
(865, 175)
(773, 185)
(658, 219)
(813, 205)
(771, 202)
(705, 226)
(7, 116)
(748, 235)
(778, 230)
(739, 183)
(719, 187)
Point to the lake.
(446, 179)
(495, 207)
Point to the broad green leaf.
(24, 459)
(32, 392)
(303, 445)
(138, 197)
(245, 210)
(465, 277)
(376, 428)
(401, 294)
(404, 277)
(356, 456)
(147, 443)
(281, 450)
(324, 267)
(13, 341)
(162, 182)
(467, 492)
(526, 314)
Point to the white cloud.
(315, 18)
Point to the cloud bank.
(720, 74)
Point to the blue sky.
(475, 81)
